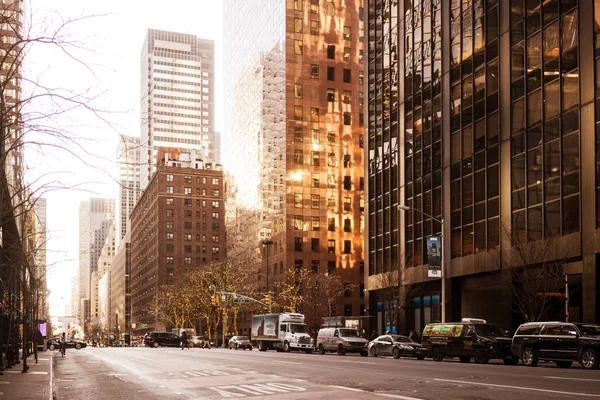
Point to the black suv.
(160, 339)
(560, 342)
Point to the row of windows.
(188, 260)
(315, 202)
(188, 214)
(205, 74)
(346, 74)
(314, 224)
(188, 248)
(189, 83)
(330, 6)
(179, 73)
(199, 179)
(315, 246)
(188, 225)
(315, 158)
(314, 116)
(331, 181)
(187, 237)
(315, 137)
(346, 94)
(315, 26)
(205, 106)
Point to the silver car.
(240, 342)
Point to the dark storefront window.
(474, 123)
(545, 119)
(422, 125)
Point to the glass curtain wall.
(597, 85)
(545, 119)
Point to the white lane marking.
(519, 388)
(572, 379)
(28, 372)
(287, 362)
(397, 396)
(347, 388)
(356, 362)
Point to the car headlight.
(345, 342)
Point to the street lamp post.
(402, 207)
(268, 243)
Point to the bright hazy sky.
(115, 37)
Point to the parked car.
(341, 340)
(560, 342)
(54, 344)
(396, 346)
(240, 342)
(162, 339)
(470, 338)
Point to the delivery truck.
(281, 332)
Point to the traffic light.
(267, 299)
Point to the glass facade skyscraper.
(481, 113)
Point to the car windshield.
(349, 333)
(297, 328)
(489, 330)
(402, 339)
(589, 330)
(241, 338)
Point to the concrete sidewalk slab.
(35, 384)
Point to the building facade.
(177, 92)
(481, 114)
(99, 294)
(294, 100)
(177, 225)
(128, 164)
(120, 289)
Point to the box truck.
(282, 332)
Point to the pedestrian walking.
(184, 340)
(63, 344)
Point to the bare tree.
(321, 292)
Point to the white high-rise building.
(128, 162)
(177, 97)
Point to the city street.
(145, 373)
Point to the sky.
(101, 60)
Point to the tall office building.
(95, 218)
(128, 163)
(482, 114)
(177, 97)
(293, 103)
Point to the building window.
(216, 192)
(298, 135)
(347, 118)
(298, 113)
(187, 202)
(346, 160)
(331, 181)
(170, 248)
(314, 6)
(215, 215)
(315, 224)
(316, 181)
(298, 47)
(314, 265)
(330, 95)
(215, 227)
(347, 32)
(170, 235)
(215, 250)
(169, 224)
(346, 97)
(187, 225)
(170, 201)
(361, 141)
(314, 245)
(315, 158)
(347, 204)
(347, 76)
(315, 136)
(170, 212)
(298, 222)
(331, 160)
(298, 200)
(347, 52)
(314, 71)
(331, 138)
(347, 225)
(187, 190)
(331, 52)
(298, 25)
(298, 5)
(331, 246)
(347, 246)
(215, 238)
(347, 183)
(298, 91)
(215, 204)
(361, 183)
(315, 201)
(187, 260)
(187, 237)
(298, 244)
(298, 156)
(330, 9)
(331, 224)
(169, 177)
(170, 189)
(314, 114)
(314, 28)
(331, 202)
(169, 260)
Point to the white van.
(342, 340)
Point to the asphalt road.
(169, 373)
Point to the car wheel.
(481, 357)
(396, 353)
(321, 349)
(511, 361)
(51, 347)
(464, 359)
(373, 351)
(589, 359)
(529, 357)
(78, 346)
(155, 345)
(564, 364)
(286, 347)
(341, 350)
(436, 354)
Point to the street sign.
(241, 301)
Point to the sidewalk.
(36, 383)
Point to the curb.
(52, 395)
